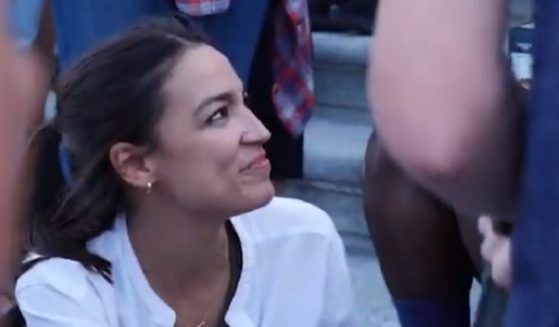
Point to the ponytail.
(47, 180)
(67, 211)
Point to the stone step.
(334, 145)
(340, 65)
(337, 134)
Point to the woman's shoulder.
(68, 275)
(286, 217)
(58, 291)
(64, 276)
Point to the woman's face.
(209, 156)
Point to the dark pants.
(535, 296)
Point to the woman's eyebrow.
(225, 97)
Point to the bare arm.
(22, 86)
(438, 84)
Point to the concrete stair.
(337, 134)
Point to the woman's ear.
(131, 163)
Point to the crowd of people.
(147, 198)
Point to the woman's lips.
(259, 162)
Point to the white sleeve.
(339, 309)
(61, 299)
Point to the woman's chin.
(249, 197)
(260, 194)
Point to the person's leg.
(424, 263)
(81, 24)
(237, 32)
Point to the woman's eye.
(218, 115)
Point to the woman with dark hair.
(162, 212)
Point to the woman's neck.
(179, 251)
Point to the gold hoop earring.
(150, 185)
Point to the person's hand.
(496, 250)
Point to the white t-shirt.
(294, 274)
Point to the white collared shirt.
(294, 274)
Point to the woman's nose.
(255, 131)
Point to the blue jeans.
(80, 24)
(534, 299)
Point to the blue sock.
(433, 312)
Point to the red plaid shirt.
(202, 7)
(293, 92)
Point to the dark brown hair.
(113, 94)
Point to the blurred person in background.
(448, 116)
(534, 297)
(22, 89)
